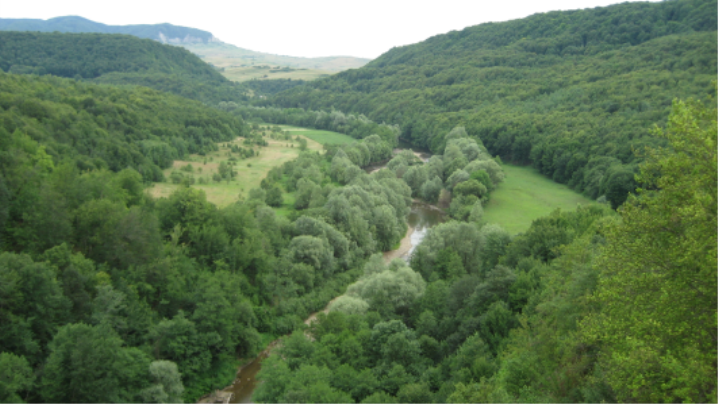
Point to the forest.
(117, 60)
(110, 295)
(571, 93)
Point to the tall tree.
(657, 291)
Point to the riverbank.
(422, 217)
(240, 391)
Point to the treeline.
(571, 93)
(118, 60)
(111, 296)
(585, 306)
(105, 127)
(357, 126)
(271, 87)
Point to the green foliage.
(167, 387)
(657, 290)
(390, 291)
(117, 60)
(89, 364)
(570, 92)
(355, 126)
(16, 377)
(104, 127)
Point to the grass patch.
(250, 171)
(288, 204)
(246, 73)
(319, 136)
(526, 195)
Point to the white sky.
(309, 28)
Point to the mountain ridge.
(165, 32)
(200, 42)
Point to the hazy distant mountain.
(165, 33)
(201, 43)
(228, 56)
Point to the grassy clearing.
(250, 171)
(246, 73)
(319, 136)
(526, 195)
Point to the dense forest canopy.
(116, 59)
(107, 127)
(571, 93)
(110, 295)
(586, 306)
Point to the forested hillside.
(585, 306)
(570, 92)
(117, 60)
(111, 296)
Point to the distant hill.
(116, 59)
(237, 62)
(165, 33)
(572, 93)
(226, 55)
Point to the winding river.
(422, 217)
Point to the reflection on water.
(421, 218)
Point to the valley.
(239, 64)
(519, 211)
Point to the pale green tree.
(656, 299)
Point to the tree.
(431, 189)
(15, 377)
(167, 387)
(274, 197)
(656, 318)
(349, 304)
(471, 187)
(390, 291)
(32, 308)
(89, 364)
(312, 251)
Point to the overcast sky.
(309, 28)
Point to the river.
(421, 217)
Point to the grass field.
(250, 171)
(526, 195)
(246, 73)
(319, 136)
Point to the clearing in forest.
(249, 171)
(320, 136)
(525, 195)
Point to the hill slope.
(226, 55)
(572, 93)
(201, 43)
(116, 59)
(165, 33)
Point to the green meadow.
(526, 195)
(319, 136)
(250, 171)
